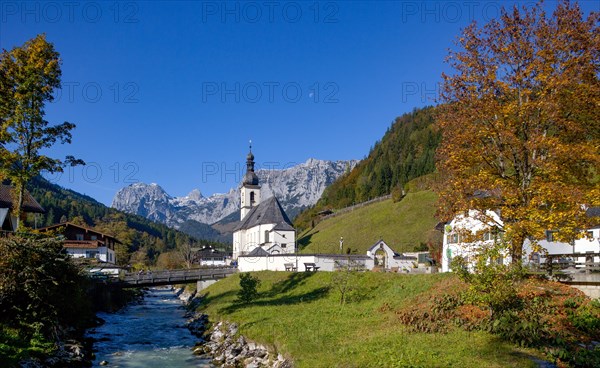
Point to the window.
(251, 198)
(452, 238)
(487, 236)
(78, 236)
(91, 254)
(94, 237)
(110, 257)
(283, 245)
(549, 236)
(266, 236)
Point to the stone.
(104, 362)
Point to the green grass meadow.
(300, 316)
(403, 225)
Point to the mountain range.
(297, 188)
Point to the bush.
(248, 286)
(42, 292)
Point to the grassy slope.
(403, 225)
(297, 315)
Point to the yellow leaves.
(522, 125)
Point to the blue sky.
(171, 92)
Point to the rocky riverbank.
(222, 343)
(224, 346)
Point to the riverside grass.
(403, 225)
(301, 317)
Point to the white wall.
(277, 263)
(470, 224)
(213, 262)
(245, 241)
(102, 255)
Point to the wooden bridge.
(169, 277)
(575, 269)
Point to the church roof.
(258, 252)
(267, 212)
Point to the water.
(150, 334)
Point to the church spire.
(250, 178)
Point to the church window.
(266, 236)
(251, 197)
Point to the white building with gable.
(264, 227)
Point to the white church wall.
(324, 262)
(284, 237)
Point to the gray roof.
(593, 211)
(258, 252)
(267, 212)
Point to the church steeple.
(250, 191)
(250, 178)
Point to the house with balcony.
(83, 242)
(8, 219)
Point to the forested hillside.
(143, 240)
(406, 151)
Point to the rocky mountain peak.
(296, 188)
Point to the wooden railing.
(574, 262)
(169, 277)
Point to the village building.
(264, 226)
(8, 220)
(466, 236)
(386, 258)
(209, 256)
(83, 242)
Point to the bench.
(290, 267)
(311, 267)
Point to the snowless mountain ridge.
(296, 188)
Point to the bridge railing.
(571, 262)
(162, 277)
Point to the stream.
(149, 334)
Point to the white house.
(209, 256)
(83, 242)
(263, 224)
(465, 236)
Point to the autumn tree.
(521, 122)
(29, 74)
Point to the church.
(264, 227)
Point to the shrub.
(248, 286)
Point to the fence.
(359, 205)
